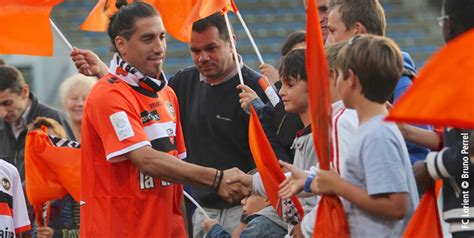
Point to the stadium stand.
(270, 21)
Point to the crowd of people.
(147, 139)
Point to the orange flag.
(98, 18)
(331, 220)
(267, 164)
(26, 29)
(178, 15)
(51, 171)
(425, 222)
(442, 93)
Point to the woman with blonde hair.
(74, 91)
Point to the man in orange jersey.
(132, 139)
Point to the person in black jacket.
(18, 108)
(215, 127)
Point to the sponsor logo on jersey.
(155, 104)
(6, 184)
(171, 110)
(121, 125)
(149, 116)
(171, 135)
(6, 233)
(146, 182)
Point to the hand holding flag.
(331, 220)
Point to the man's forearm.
(422, 137)
(166, 167)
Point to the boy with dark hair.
(295, 100)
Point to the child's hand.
(325, 182)
(270, 72)
(208, 223)
(246, 96)
(296, 232)
(44, 232)
(293, 184)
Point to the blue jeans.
(229, 218)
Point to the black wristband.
(219, 180)
(215, 179)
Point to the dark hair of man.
(369, 13)
(215, 20)
(293, 65)
(2, 62)
(461, 15)
(293, 39)
(376, 61)
(11, 78)
(122, 23)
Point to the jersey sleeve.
(115, 116)
(20, 213)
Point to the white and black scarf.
(134, 77)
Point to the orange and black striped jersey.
(119, 200)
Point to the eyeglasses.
(441, 20)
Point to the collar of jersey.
(130, 74)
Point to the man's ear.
(359, 28)
(233, 38)
(121, 45)
(25, 92)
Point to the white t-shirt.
(344, 124)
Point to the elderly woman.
(74, 91)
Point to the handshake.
(233, 184)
